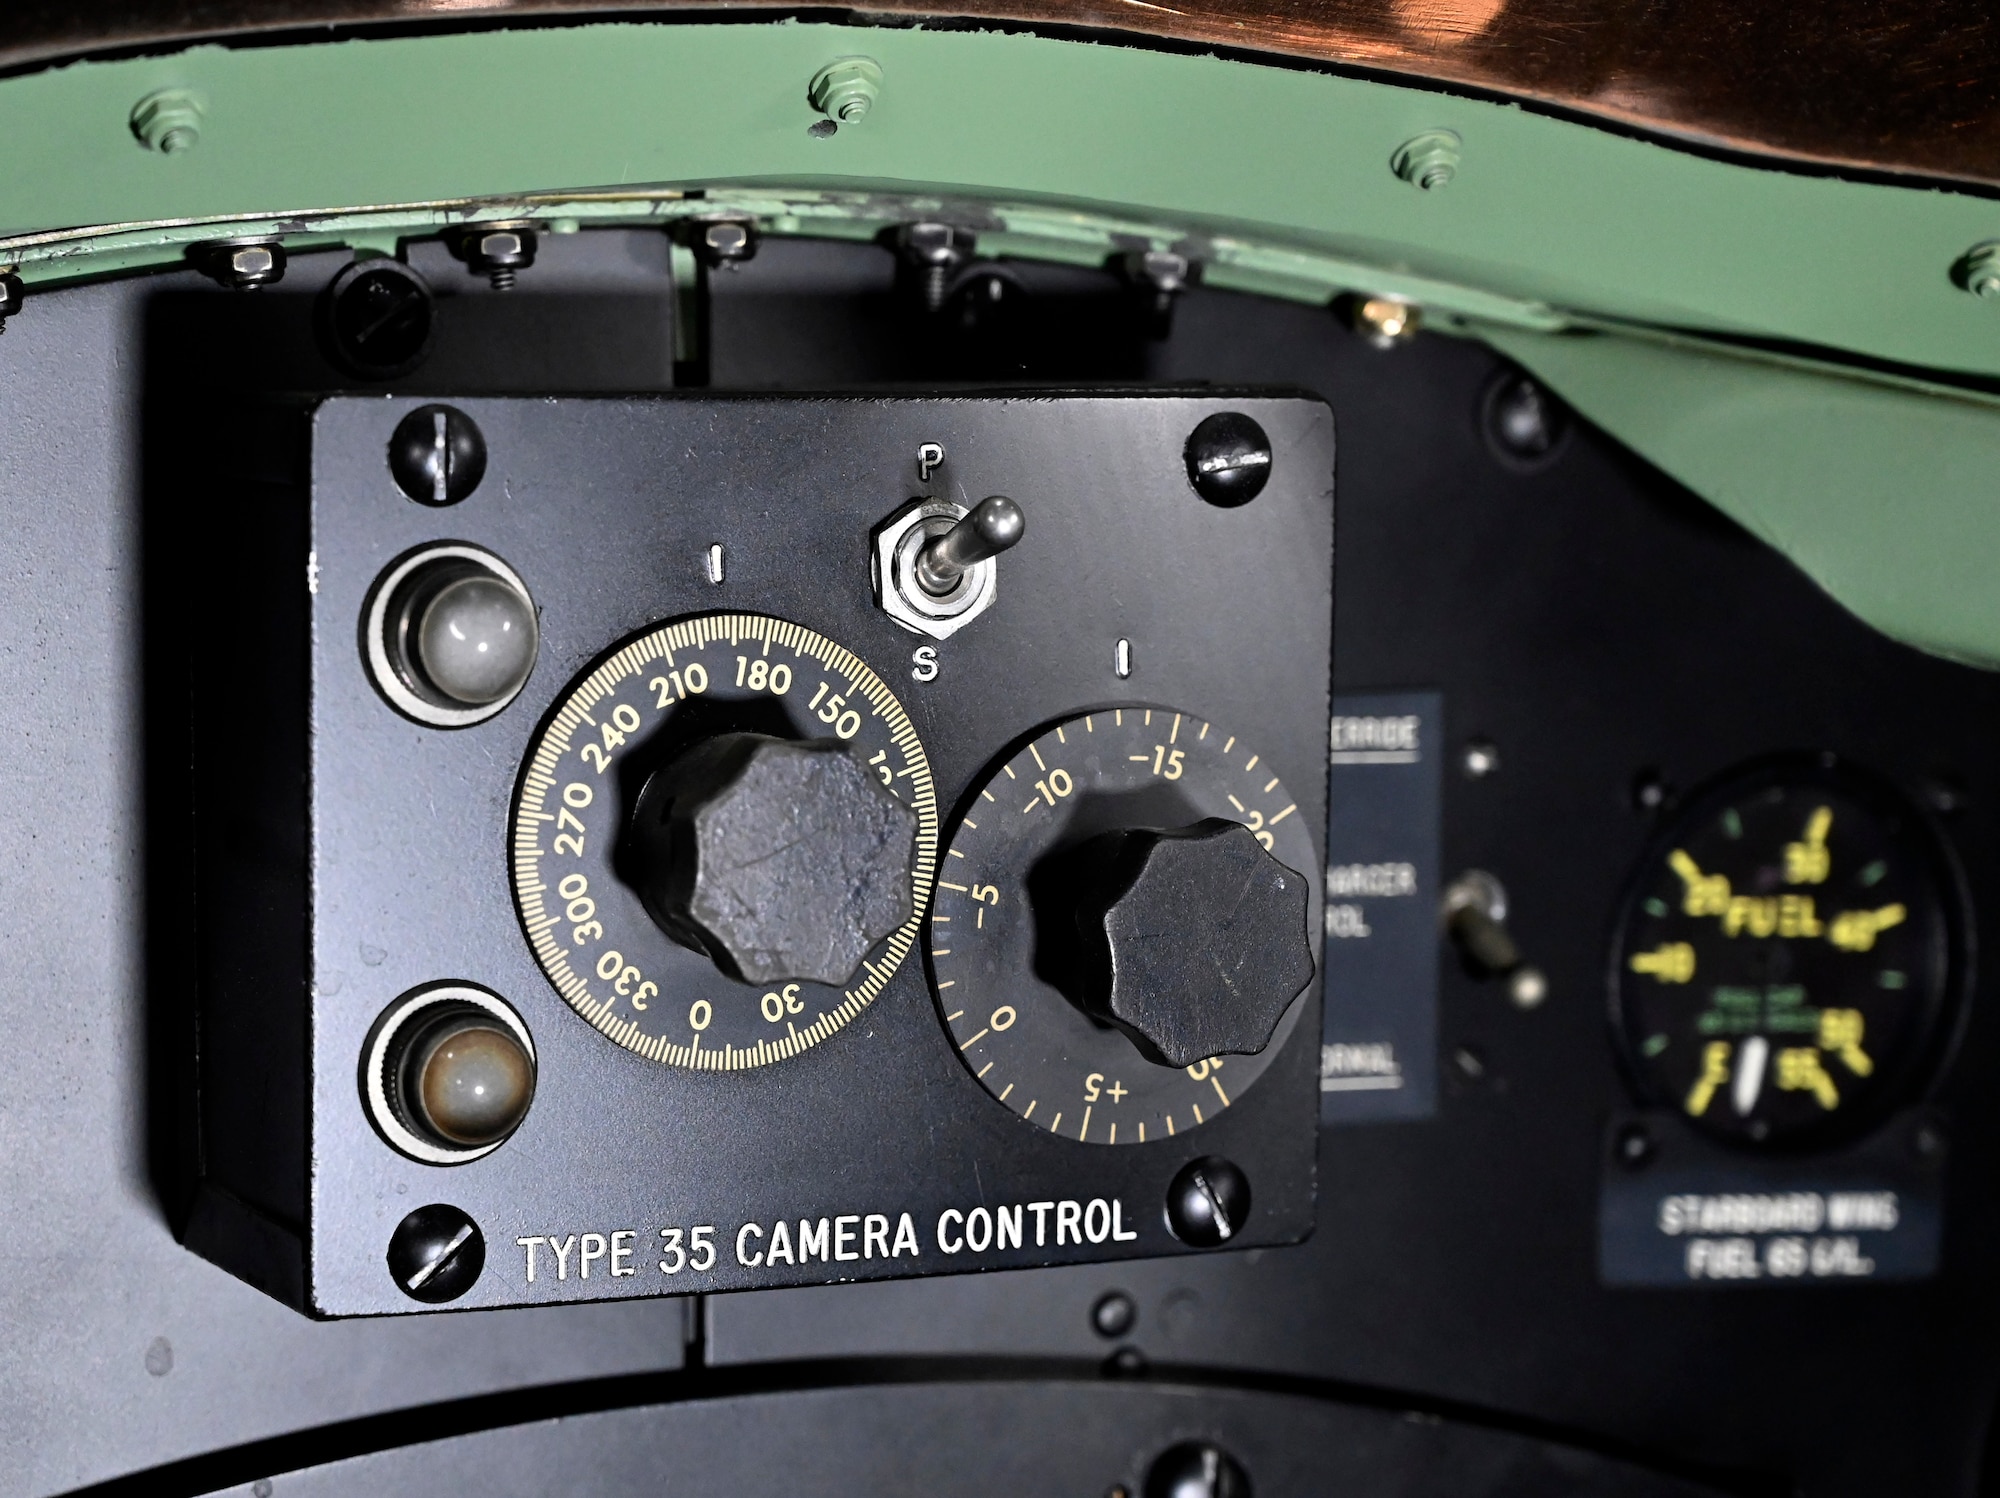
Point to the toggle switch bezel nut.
(894, 566)
(397, 678)
(383, 1053)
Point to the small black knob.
(1194, 940)
(782, 861)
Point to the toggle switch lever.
(1475, 915)
(933, 563)
(987, 529)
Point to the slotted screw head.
(1208, 1202)
(437, 455)
(1228, 459)
(436, 1254)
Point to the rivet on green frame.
(169, 120)
(1428, 161)
(846, 89)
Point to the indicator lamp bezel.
(387, 1045)
(399, 680)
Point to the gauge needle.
(1749, 1079)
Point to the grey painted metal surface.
(978, 1438)
(118, 1349)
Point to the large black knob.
(785, 862)
(1194, 940)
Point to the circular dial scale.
(1002, 932)
(1783, 962)
(579, 866)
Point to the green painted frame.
(1629, 273)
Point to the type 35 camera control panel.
(657, 845)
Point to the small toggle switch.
(1475, 915)
(934, 561)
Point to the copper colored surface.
(1888, 85)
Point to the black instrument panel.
(770, 1097)
(1600, 646)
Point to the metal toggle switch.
(1475, 915)
(934, 561)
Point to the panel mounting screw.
(436, 1253)
(169, 120)
(1228, 459)
(1384, 321)
(846, 89)
(932, 252)
(1208, 1202)
(724, 242)
(1156, 278)
(499, 252)
(1428, 161)
(437, 455)
(240, 264)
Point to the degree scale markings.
(1010, 1028)
(570, 780)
